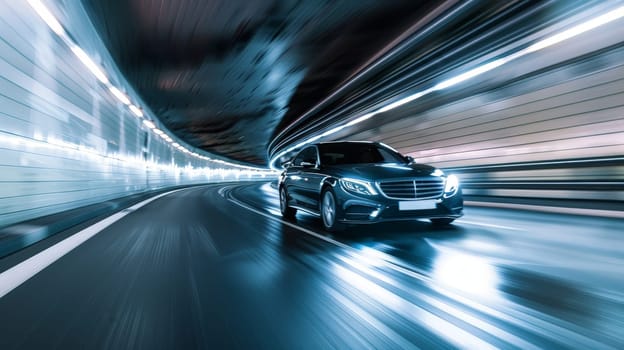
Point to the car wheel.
(329, 212)
(441, 221)
(287, 212)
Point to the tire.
(287, 212)
(441, 221)
(329, 211)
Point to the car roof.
(345, 142)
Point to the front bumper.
(359, 209)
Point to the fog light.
(374, 214)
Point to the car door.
(311, 178)
(294, 180)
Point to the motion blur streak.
(169, 276)
(434, 323)
(522, 100)
(472, 267)
(610, 16)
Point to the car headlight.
(451, 186)
(358, 186)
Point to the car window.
(307, 155)
(357, 153)
(389, 156)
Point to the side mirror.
(410, 159)
(307, 164)
(287, 164)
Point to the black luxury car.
(366, 182)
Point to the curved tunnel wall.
(549, 126)
(65, 140)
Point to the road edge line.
(22, 272)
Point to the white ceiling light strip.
(542, 44)
(579, 29)
(47, 17)
(134, 109)
(149, 124)
(88, 62)
(120, 95)
(52, 22)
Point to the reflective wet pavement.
(215, 266)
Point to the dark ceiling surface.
(227, 76)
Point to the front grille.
(418, 188)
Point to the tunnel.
(286, 174)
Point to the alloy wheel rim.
(328, 209)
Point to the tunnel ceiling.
(228, 75)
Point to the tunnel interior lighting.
(88, 62)
(134, 109)
(360, 119)
(47, 17)
(469, 74)
(120, 95)
(333, 131)
(149, 124)
(542, 44)
(396, 104)
(579, 29)
(53, 23)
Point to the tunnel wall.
(550, 126)
(65, 141)
(560, 141)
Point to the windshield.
(357, 153)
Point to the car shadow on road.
(400, 231)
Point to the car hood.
(376, 172)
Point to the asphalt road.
(216, 267)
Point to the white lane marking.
(303, 229)
(516, 314)
(221, 191)
(20, 273)
(489, 225)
